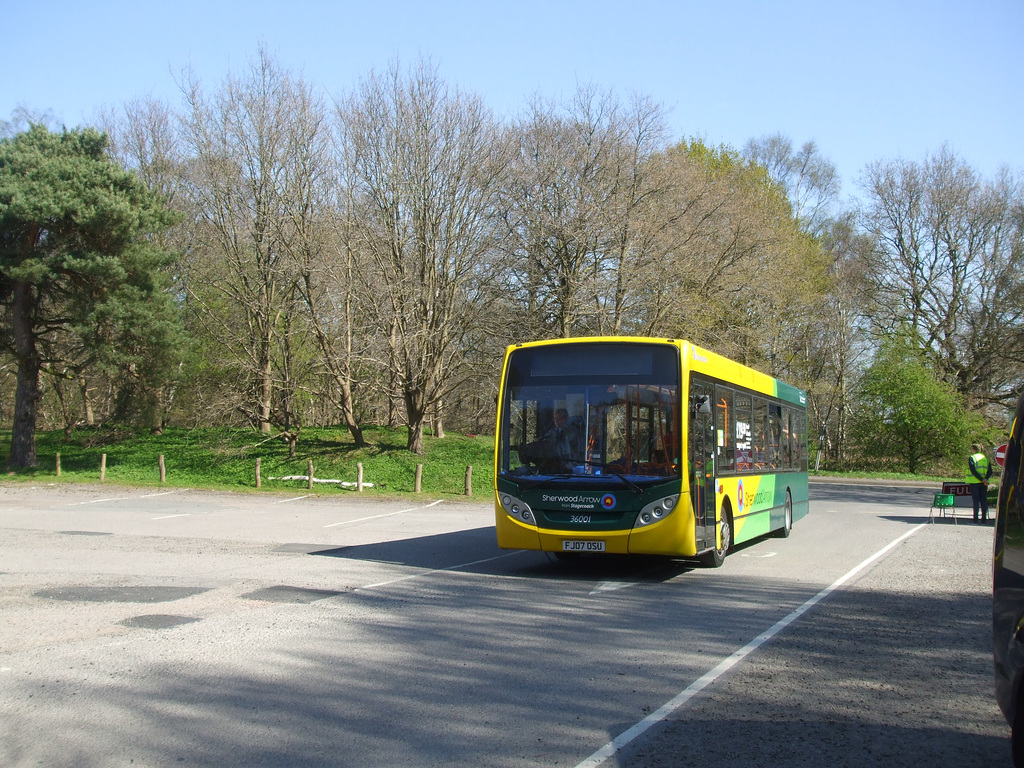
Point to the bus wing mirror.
(702, 404)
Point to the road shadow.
(423, 678)
(475, 551)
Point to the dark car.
(1008, 588)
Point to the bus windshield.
(591, 410)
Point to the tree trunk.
(438, 426)
(83, 386)
(266, 385)
(393, 387)
(26, 399)
(416, 415)
(156, 418)
(348, 414)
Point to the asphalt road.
(179, 628)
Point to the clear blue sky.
(868, 80)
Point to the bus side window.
(741, 430)
(774, 435)
(723, 424)
(760, 430)
(801, 441)
(787, 438)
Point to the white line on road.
(168, 517)
(388, 514)
(295, 498)
(611, 586)
(438, 570)
(612, 747)
(124, 498)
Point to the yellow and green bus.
(644, 446)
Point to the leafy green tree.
(79, 275)
(905, 416)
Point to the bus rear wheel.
(714, 558)
(787, 527)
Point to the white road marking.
(125, 498)
(387, 514)
(422, 574)
(296, 498)
(611, 586)
(168, 517)
(612, 747)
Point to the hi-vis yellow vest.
(981, 466)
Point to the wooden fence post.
(359, 477)
(259, 480)
(419, 478)
(469, 480)
(103, 467)
(58, 463)
(163, 470)
(309, 474)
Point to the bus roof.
(698, 359)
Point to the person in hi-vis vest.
(979, 471)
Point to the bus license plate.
(583, 546)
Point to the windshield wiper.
(604, 467)
(545, 481)
(569, 475)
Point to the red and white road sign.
(1001, 454)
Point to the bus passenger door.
(702, 462)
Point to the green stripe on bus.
(790, 394)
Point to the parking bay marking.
(387, 514)
(681, 699)
(431, 572)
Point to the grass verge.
(225, 459)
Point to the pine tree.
(77, 261)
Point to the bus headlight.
(656, 510)
(517, 509)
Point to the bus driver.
(560, 448)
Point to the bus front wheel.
(714, 558)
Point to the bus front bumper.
(662, 538)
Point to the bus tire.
(714, 558)
(787, 526)
(1017, 732)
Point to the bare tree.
(947, 263)
(634, 220)
(559, 210)
(428, 172)
(837, 347)
(250, 186)
(327, 233)
(809, 179)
